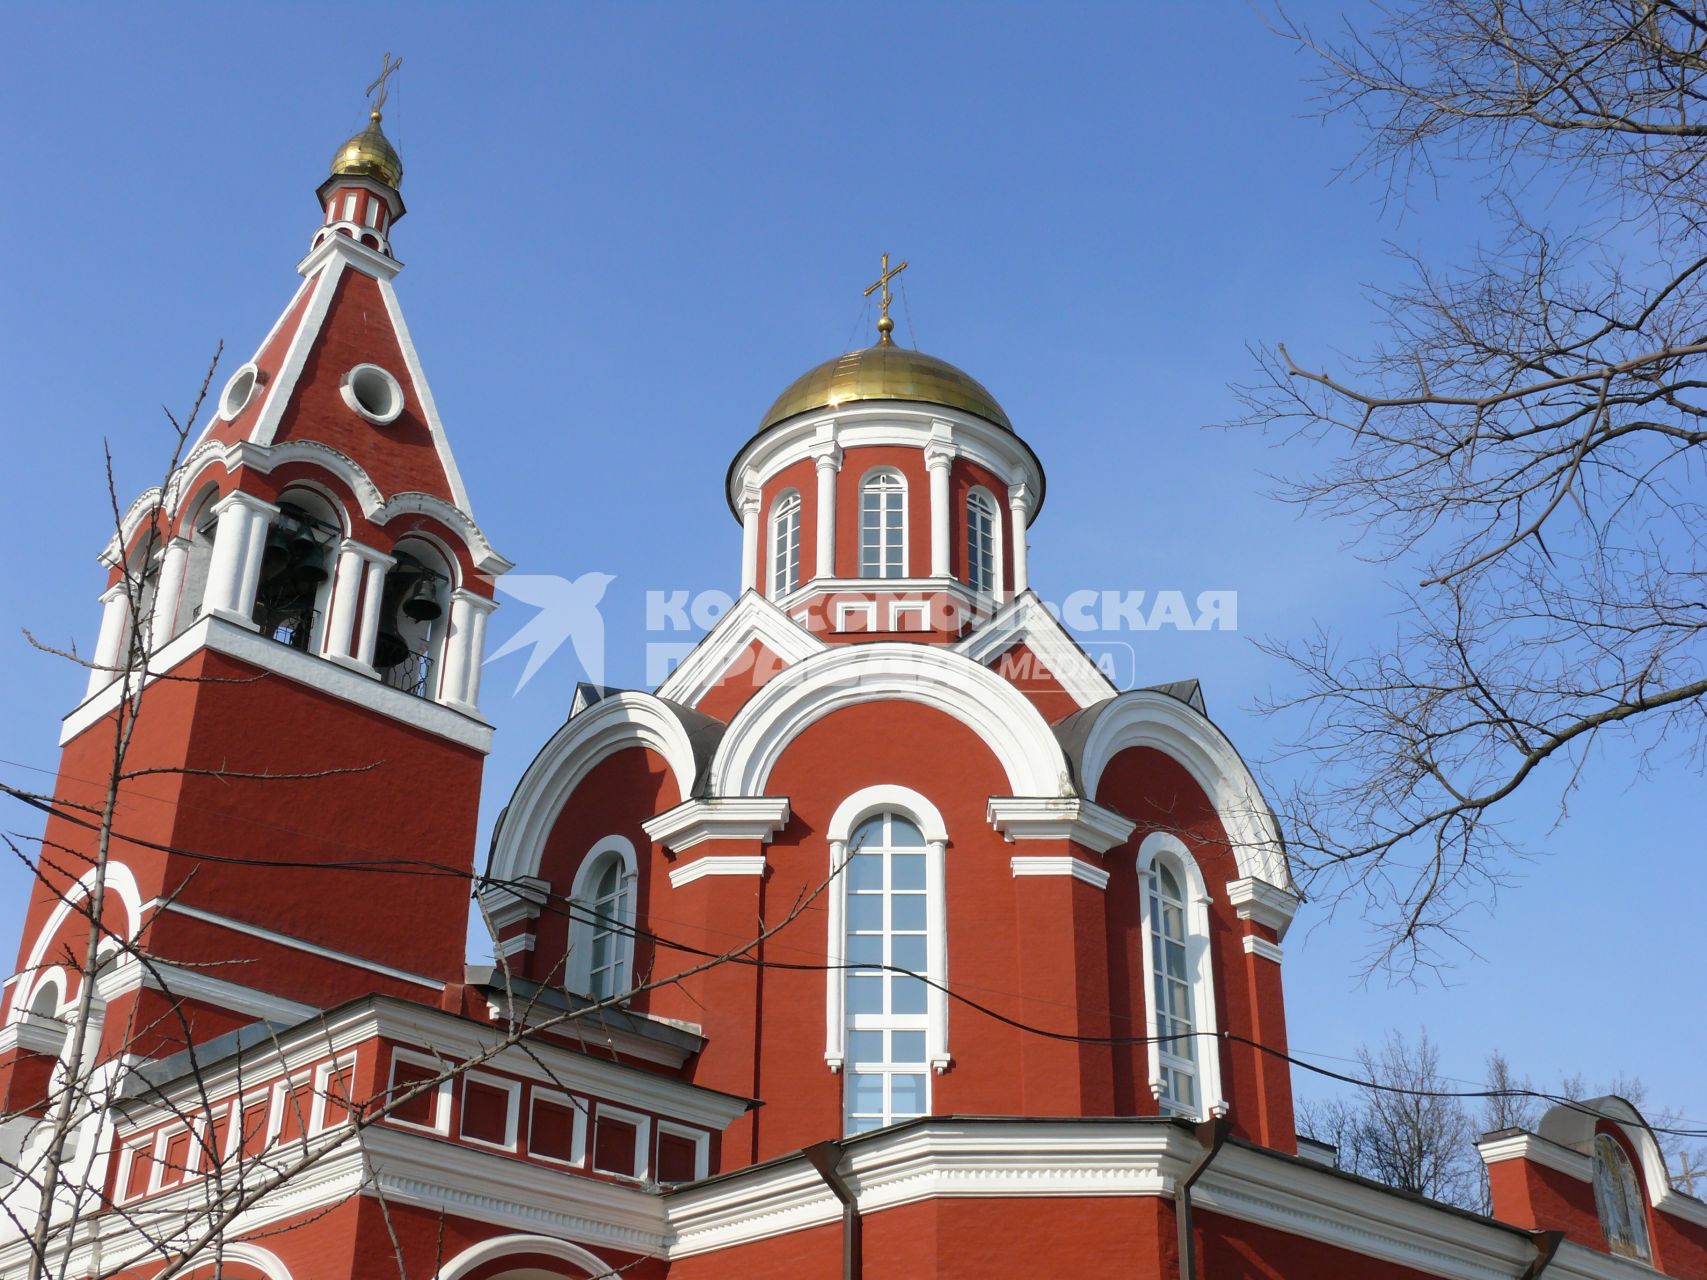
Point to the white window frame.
(909, 804)
(128, 1152)
(234, 1134)
(440, 1093)
(866, 483)
(349, 207)
(918, 611)
(322, 1087)
(1163, 846)
(784, 575)
(993, 588)
(157, 1153)
(512, 1110)
(282, 1091)
(578, 1108)
(701, 1146)
(581, 928)
(642, 1142)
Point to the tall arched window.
(785, 544)
(886, 1075)
(983, 535)
(887, 1025)
(883, 526)
(1180, 1015)
(1618, 1200)
(601, 934)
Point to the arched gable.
(846, 676)
(523, 1251)
(119, 880)
(1149, 718)
(242, 1257)
(616, 722)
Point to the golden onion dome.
(885, 372)
(369, 154)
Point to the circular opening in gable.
(373, 393)
(239, 390)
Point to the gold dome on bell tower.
(369, 154)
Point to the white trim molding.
(1077, 868)
(728, 865)
(848, 675)
(1255, 946)
(694, 822)
(1263, 903)
(1088, 825)
(1025, 621)
(498, 1248)
(753, 618)
(1206, 1053)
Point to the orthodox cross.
(387, 66)
(884, 323)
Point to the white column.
(835, 1020)
(459, 685)
(1019, 503)
(346, 590)
(239, 538)
(373, 591)
(829, 462)
(936, 956)
(749, 537)
(477, 650)
(115, 624)
(938, 460)
(163, 623)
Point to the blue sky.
(631, 225)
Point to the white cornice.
(306, 669)
(1059, 818)
(1255, 946)
(753, 618)
(351, 252)
(1263, 903)
(1077, 868)
(735, 865)
(32, 1036)
(1025, 621)
(1537, 1150)
(693, 822)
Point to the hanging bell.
(421, 604)
(388, 650)
(276, 555)
(307, 577)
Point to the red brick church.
(886, 937)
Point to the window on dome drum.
(886, 1076)
(1618, 1200)
(882, 530)
(601, 945)
(785, 545)
(981, 541)
(1170, 990)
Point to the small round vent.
(373, 393)
(239, 390)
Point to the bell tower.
(291, 644)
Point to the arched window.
(414, 617)
(785, 544)
(1180, 1014)
(601, 932)
(295, 581)
(983, 542)
(887, 1025)
(883, 526)
(1618, 1200)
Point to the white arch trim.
(1163, 846)
(614, 723)
(264, 1261)
(500, 1247)
(849, 675)
(885, 797)
(1147, 718)
(119, 880)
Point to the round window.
(373, 393)
(239, 391)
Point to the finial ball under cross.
(885, 326)
(387, 66)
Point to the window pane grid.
(981, 543)
(605, 935)
(886, 1078)
(785, 546)
(1171, 994)
(880, 527)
